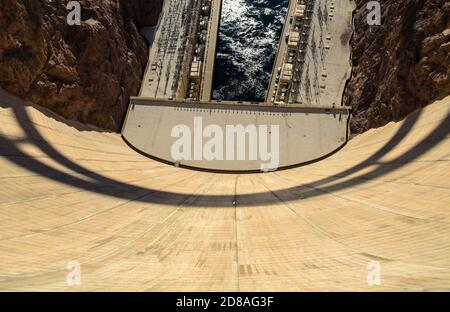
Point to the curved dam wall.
(271, 137)
(70, 193)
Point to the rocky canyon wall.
(401, 65)
(85, 73)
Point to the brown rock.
(85, 73)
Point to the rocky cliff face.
(401, 65)
(84, 73)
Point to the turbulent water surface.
(249, 35)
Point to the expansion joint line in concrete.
(236, 229)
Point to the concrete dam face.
(70, 193)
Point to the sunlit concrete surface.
(303, 134)
(70, 193)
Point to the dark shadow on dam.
(97, 183)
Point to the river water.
(249, 36)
